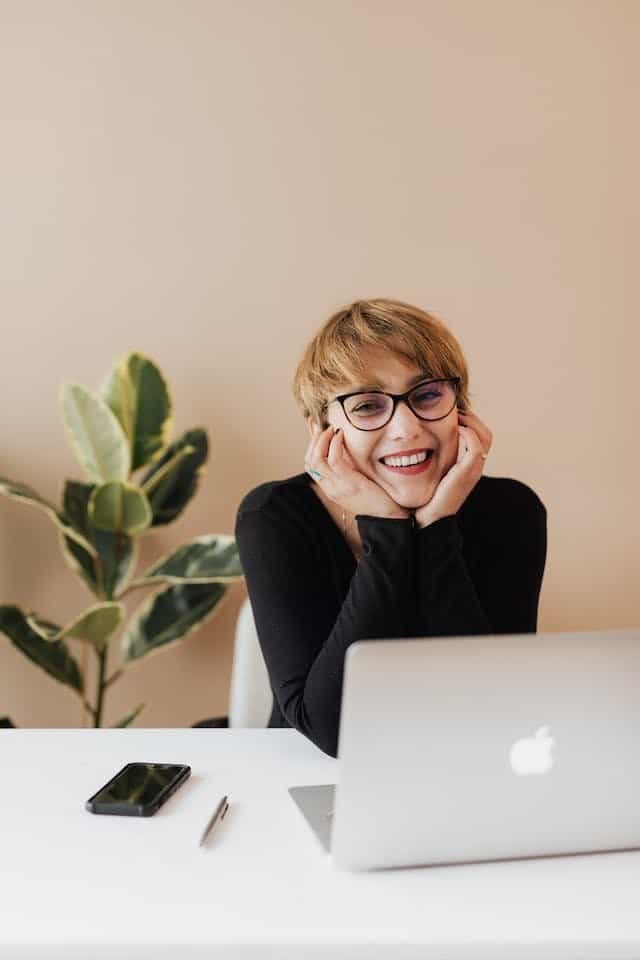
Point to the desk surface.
(77, 885)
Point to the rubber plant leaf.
(168, 616)
(119, 508)
(106, 572)
(52, 656)
(173, 479)
(138, 395)
(212, 558)
(20, 491)
(96, 437)
(96, 625)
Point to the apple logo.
(532, 754)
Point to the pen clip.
(217, 815)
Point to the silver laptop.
(462, 749)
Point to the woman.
(392, 530)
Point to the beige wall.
(206, 181)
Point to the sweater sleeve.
(302, 641)
(500, 593)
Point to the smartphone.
(139, 789)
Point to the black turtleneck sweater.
(476, 572)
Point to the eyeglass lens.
(429, 401)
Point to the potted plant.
(118, 432)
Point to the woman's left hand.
(474, 443)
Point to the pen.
(219, 812)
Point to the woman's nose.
(404, 421)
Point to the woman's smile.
(408, 464)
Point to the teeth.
(405, 461)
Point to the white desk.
(75, 885)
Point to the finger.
(307, 457)
(315, 433)
(324, 442)
(311, 457)
(310, 464)
(473, 445)
(316, 462)
(319, 446)
(309, 454)
(339, 456)
(334, 452)
(473, 420)
(472, 439)
(346, 455)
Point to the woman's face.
(404, 434)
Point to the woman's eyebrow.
(378, 385)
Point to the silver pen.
(218, 813)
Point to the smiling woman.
(392, 530)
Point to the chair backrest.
(250, 697)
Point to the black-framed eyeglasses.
(428, 400)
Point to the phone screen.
(139, 788)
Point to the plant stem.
(87, 706)
(103, 683)
(113, 678)
(102, 657)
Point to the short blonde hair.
(333, 357)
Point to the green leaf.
(96, 625)
(107, 571)
(6, 723)
(117, 392)
(20, 491)
(139, 397)
(96, 436)
(130, 717)
(119, 507)
(212, 558)
(52, 656)
(170, 495)
(168, 466)
(169, 616)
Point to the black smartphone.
(139, 789)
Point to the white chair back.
(250, 697)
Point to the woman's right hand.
(329, 463)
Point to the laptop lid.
(488, 747)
